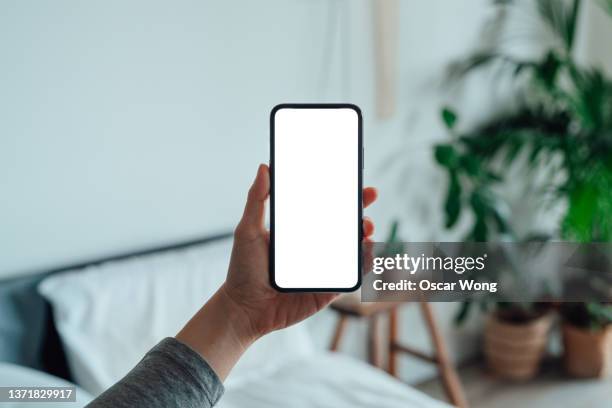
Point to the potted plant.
(515, 335)
(587, 339)
(515, 339)
(563, 125)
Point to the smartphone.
(316, 163)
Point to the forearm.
(219, 332)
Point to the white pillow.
(12, 375)
(108, 316)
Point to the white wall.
(595, 31)
(127, 124)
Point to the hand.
(246, 307)
(248, 283)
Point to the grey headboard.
(27, 334)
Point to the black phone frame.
(359, 220)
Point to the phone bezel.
(360, 153)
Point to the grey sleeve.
(170, 375)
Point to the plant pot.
(515, 350)
(587, 353)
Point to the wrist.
(241, 324)
(220, 332)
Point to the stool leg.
(450, 379)
(391, 350)
(374, 342)
(339, 332)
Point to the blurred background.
(130, 125)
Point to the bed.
(89, 324)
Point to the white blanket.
(326, 380)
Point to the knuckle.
(244, 232)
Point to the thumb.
(254, 211)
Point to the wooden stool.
(351, 306)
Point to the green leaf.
(502, 223)
(561, 18)
(547, 71)
(463, 312)
(522, 66)
(393, 245)
(471, 164)
(580, 220)
(480, 202)
(573, 22)
(592, 97)
(533, 156)
(514, 148)
(474, 61)
(599, 314)
(393, 231)
(452, 206)
(480, 231)
(446, 155)
(449, 117)
(492, 176)
(482, 59)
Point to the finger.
(253, 217)
(369, 196)
(368, 255)
(368, 227)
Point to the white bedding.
(109, 315)
(326, 380)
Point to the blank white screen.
(316, 193)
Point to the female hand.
(248, 282)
